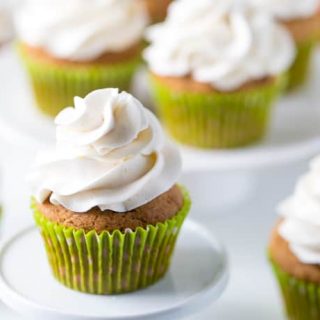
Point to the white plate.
(198, 272)
(294, 132)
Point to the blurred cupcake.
(73, 47)
(105, 199)
(216, 70)
(157, 9)
(295, 248)
(302, 19)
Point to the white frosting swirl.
(111, 153)
(219, 43)
(81, 30)
(290, 9)
(301, 213)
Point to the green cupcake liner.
(216, 120)
(55, 86)
(110, 262)
(300, 70)
(301, 298)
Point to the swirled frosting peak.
(220, 42)
(110, 153)
(301, 214)
(81, 30)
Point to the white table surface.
(252, 293)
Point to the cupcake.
(157, 9)
(302, 19)
(294, 248)
(105, 198)
(70, 48)
(216, 69)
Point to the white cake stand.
(198, 275)
(217, 178)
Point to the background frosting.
(81, 29)
(111, 152)
(290, 9)
(301, 213)
(218, 42)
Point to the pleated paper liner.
(110, 263)
(300, 70)
(55, 86)
(217, 120)
(301, 298)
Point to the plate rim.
(21, 304)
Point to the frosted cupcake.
(302, 19)
(216, 70)
(157, 9)
(295, 248)
(105, 199)
(73, 47)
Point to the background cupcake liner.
(109, 263)
(301, 298)
(300, 69)
(216, 120)
(55, 86)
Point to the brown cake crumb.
(157, 9)
(106, 58)
(158, 210)
(188, 84)
(282, 255)
(302, 29)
